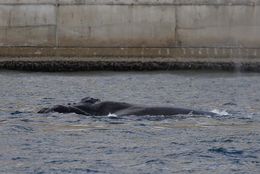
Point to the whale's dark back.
(89, 100)
(93, 106)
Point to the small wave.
(16, 112)
(225, 151)
(19, 128)
(112, 115)
(222, 113)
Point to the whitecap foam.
(112, 115)
(222, 113)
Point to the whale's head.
(89, 100)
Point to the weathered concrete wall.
(193, 27)
(27, 25)
(219, 26)
(116, 26)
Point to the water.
(71, 143)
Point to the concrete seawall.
(176, 29)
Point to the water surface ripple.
(71, 143)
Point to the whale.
(95, 107)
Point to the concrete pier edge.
(73, 64)
(80, 35)
(48, 59)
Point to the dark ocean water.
(71, 143)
